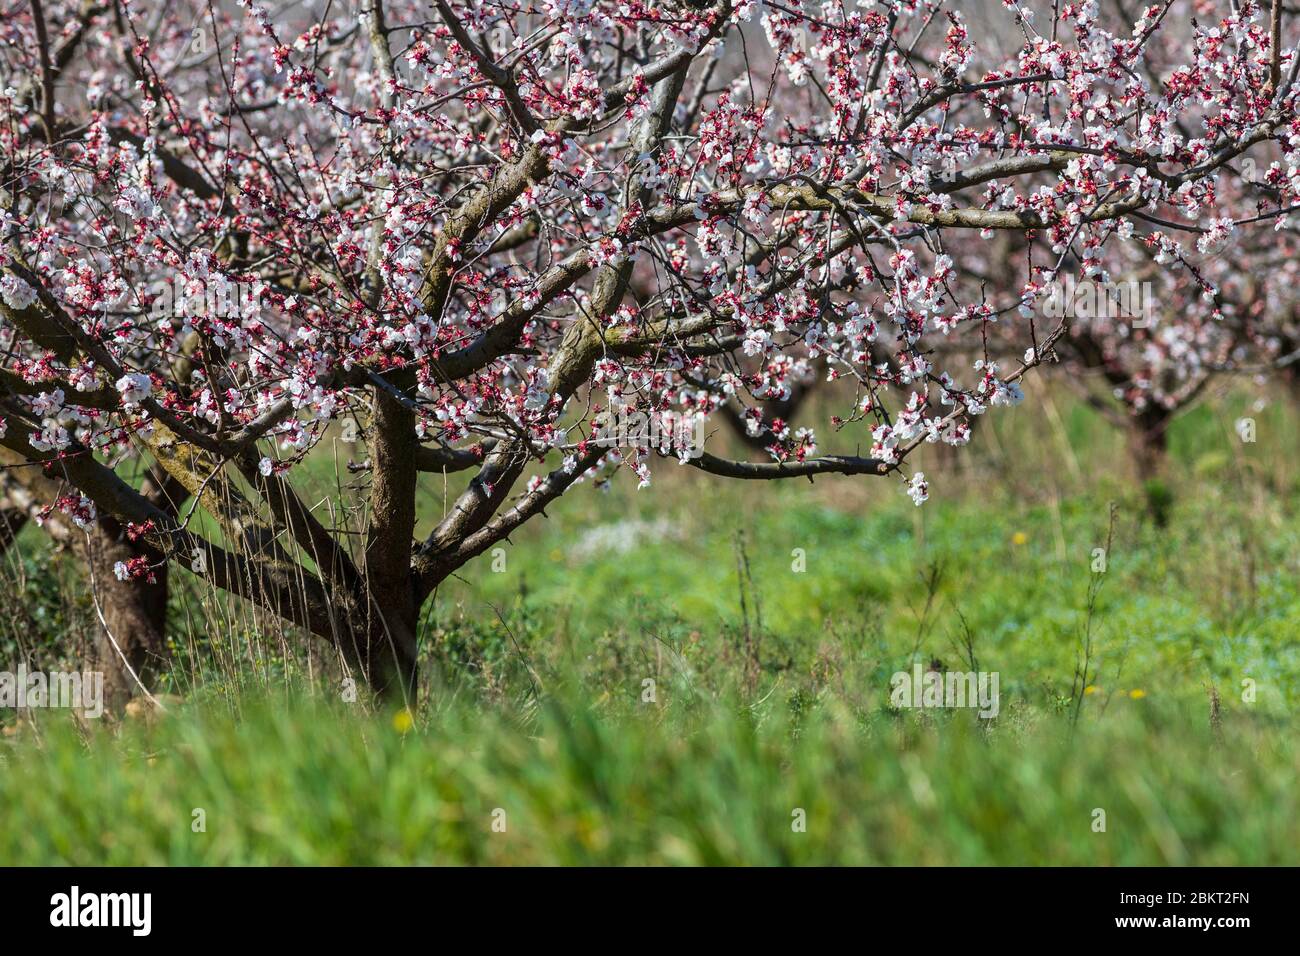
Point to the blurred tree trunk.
(1291, 380)
(1148, 444)
(1148, 447)
(1146, 431)
(12, 521)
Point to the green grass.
(770, 684)
(314, 786)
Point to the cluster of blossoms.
(474, 229)
(135, 569)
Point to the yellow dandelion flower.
(1019, 538)
(1137, 694)
(1090, 690)
(403, 720)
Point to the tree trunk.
(134, 611)
(1291, 380)
(390, 613)
(12, 521)
(134, 614)
(1148, 445)
(380, 645)
(391, 653)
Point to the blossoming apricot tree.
(1212, 306)
(478, 230)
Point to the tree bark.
(134, 613)
(387, 650)
(12, 521)
(1148, 445)
(1291, 380)
(391, 648)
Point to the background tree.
(130, 604)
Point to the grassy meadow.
(699, 673)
